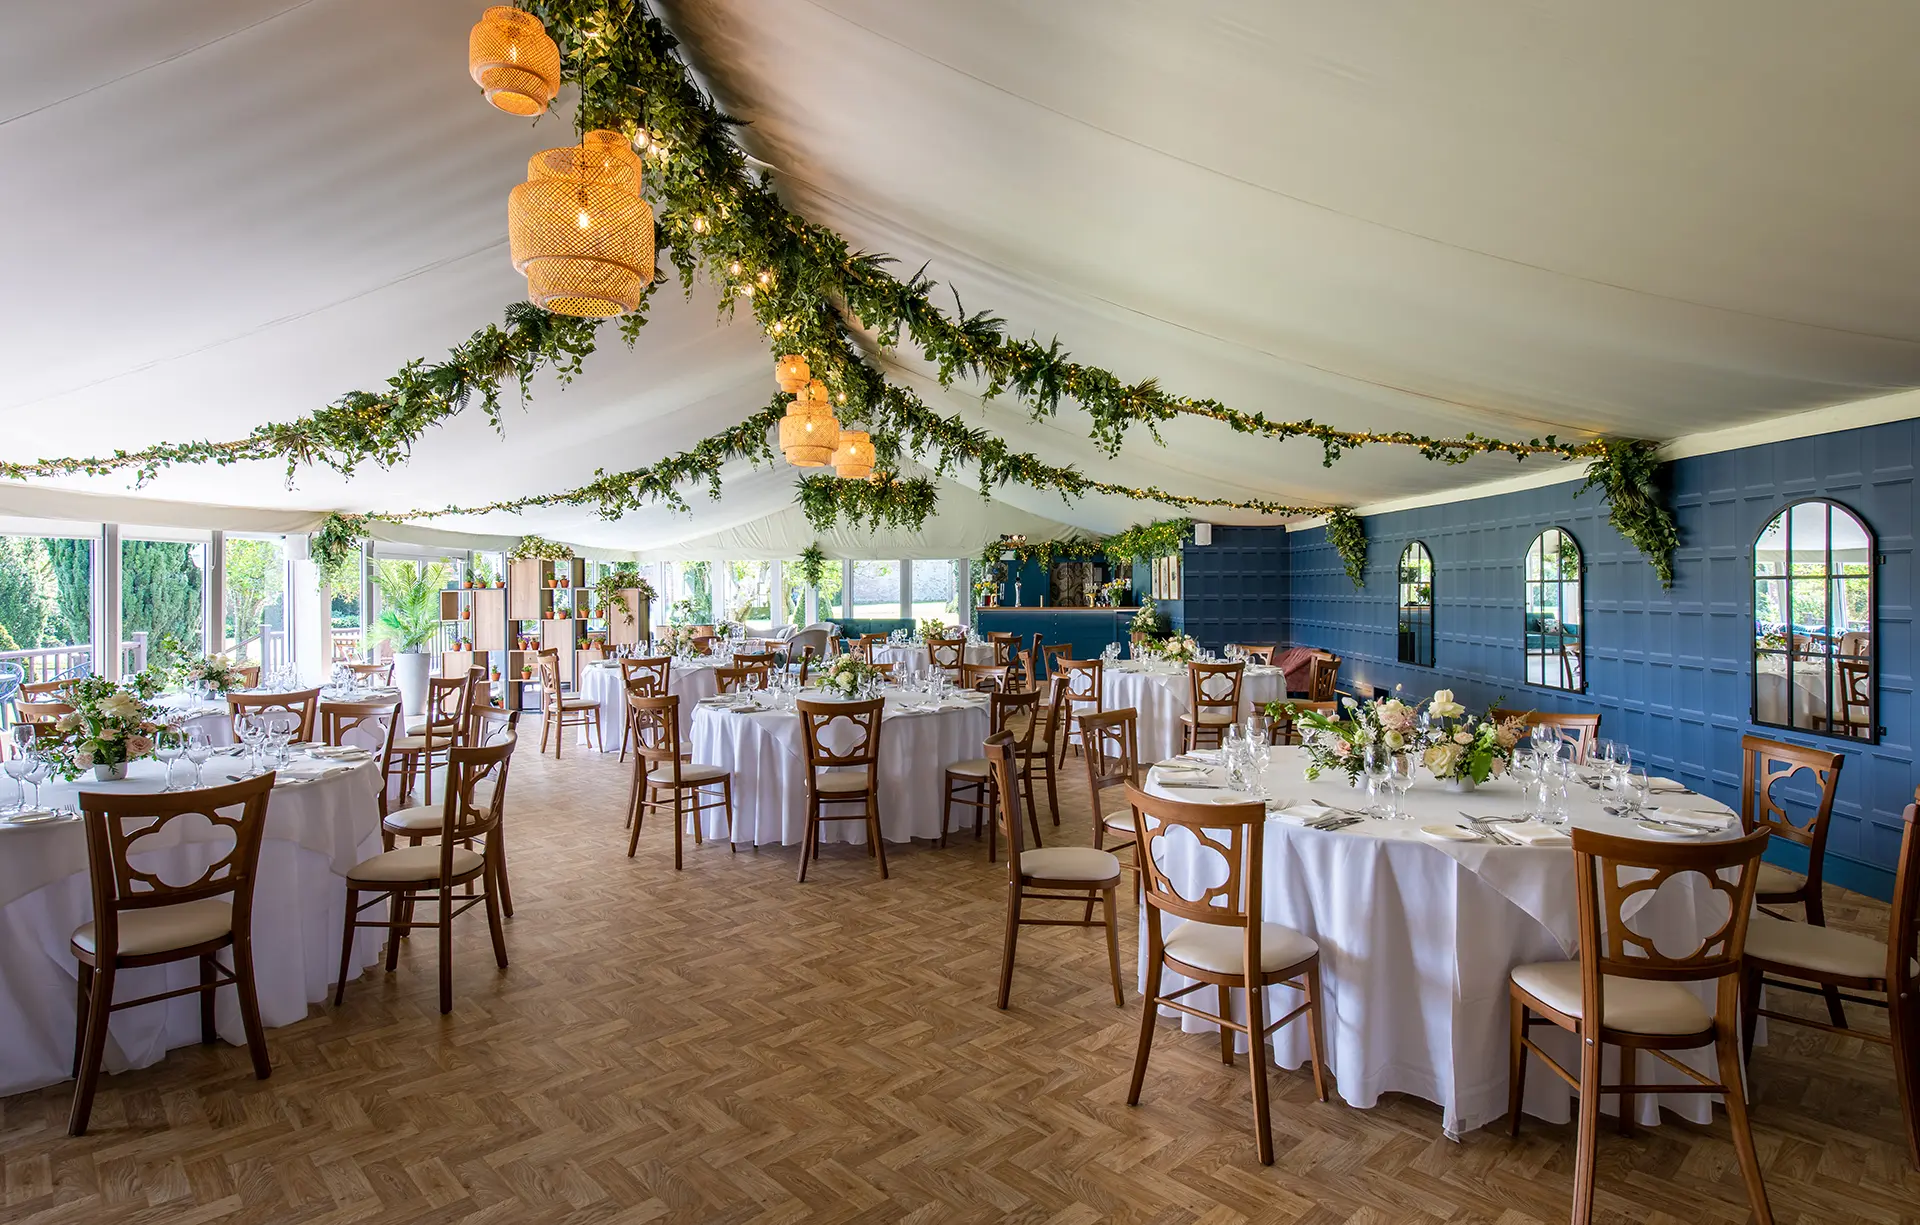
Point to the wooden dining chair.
(843, 767)
(1213, 702)
(430, 873)
(375, 673)
(1645, 999)
(249, 675)
(1818, 960)
(884, 671)
(1085, 694)
(969, 782)
(866, 643)
(1323, 678)
(1261, 653)
(704, 644)
(1005, 645)
(559, 711)
(1282, 729)
(645, 677)
(139, 919)
(491, 725)
(1853, 676)
(740, 680)
(418, 752)
(1050, 656)
(947, 656)
(373, 725)
(1078, 874)
(1037, 761)
(302, 704)
(1577, 732)
(1765, 764)
(660, 768)
(807, 656)
(1221, 941)
(997, 678)
(40, 714)
(45, 691)
(1113, 765)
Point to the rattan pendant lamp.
(515, 63)
(809, 434)
(579, 230)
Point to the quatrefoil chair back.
(249, 675)
(969, 782)
(1644, 999)
(664, 781)
(559, 711)
(1213, 702)
(1083, 679)
(373, 726)
(471, 812)
(1002, 678)
(865, 646)
(754, 659)
(946, 655)
(1113, 761)
(1577, 732)
(740, 679)
(1005, 645)
(1765, 765)
(1284, 729)
(1222, 940)
(380, 672)
(1051, 654)
(650, 677)
(1258, 654)
(843, 767)
(141, 920)
(1802, 957)
(1323, 677)
(1077, 874)
(302, 704)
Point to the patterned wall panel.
(1235, 589)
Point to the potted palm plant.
(409, 619)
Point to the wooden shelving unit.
(507, 626)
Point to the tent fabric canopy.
(1640, 219)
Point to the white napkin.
(1305, 813)
(1532, 833)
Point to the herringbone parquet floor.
(723, 1045)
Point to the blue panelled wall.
(1669, 671)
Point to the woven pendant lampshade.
(791, 373)
(515, 63)
(853, 458)
(579, 231)
(809, 435)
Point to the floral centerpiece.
(1178, 648)
(846, 674)
(1464, 750)
(107, 728)
(674, 640)
(1336, 740)
(931, 628)
(218, 673)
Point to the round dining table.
(1420, 919)
(760, 745)
(1159, 692)
(690, 680)
(911, 659)
(322, 818)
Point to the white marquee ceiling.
(1514, 218)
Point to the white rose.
(1395, 740)
(1442, 758)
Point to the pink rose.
(139, 746)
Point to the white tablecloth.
(1159, 693)
(914, 659)
(601, 683)
(316, 831)
(1417, 938)
(767, 758)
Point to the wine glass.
(17, 767)
(1542, 737)
(1525, 768)
(1376, 761)
(253, 730)
(199, 749)
(168, 745)
(1401, 768)
(39, 769)
(1634, 790)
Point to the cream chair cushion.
(842, 780)
(1634, 1005)
(1819, 950)
(578, 704)
(690, 772)
(1771, 879)
(1223, 950)
(1069, 863)
(1120, 821)
(1210, 718)
(972, 767)
(411, 864)
(162, 928)
(419, 724)
(422, 818)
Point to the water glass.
(168, 744)
(17, 767)
(1376, 761)
(1557, 779)
(1634, 790)
(1401, 769)
(199, 750)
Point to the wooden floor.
(723, 1045)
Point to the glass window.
(876, 589)
(693, 593)
(162, 594)
(1813, 622)
(1416, 605)
(46, 605)
(254, 623)
(936, 591)
(344, 610)
(1553, 614)
(750, 593)
(827, 606)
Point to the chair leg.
(726, 798)
(679, 835)
(1053, 795)
(638, 817)
(1725, 1046)
(1013, 939)
(1149, 1007)
(546, 725)
(249, 994)
(1257, 1061)
(208, 1035)
(1516, 1062)
(80, 1005)
(395, 909)
(96, 1046)
(446, 949)
(809, 839)
(873, 832)
(1113, 950)
(1750, 984)
(1316, 1037)
(1629, 1068)
(346, 946)
(1226, 1035)
(1033, 824)
(499, 847)
(1588, 1136)
(491, 881)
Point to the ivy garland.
(812, 567)
(334, 545)
(540, 548)
(1148, 541)
(1629, 475)
(1348, 534)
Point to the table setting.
(1427, 869)
(910, 655)
(690, 676)
(1154, 683)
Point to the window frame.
(1402, 607)
(1873, 621)
(1560, 582)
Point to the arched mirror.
(1416, 606)
(1555, 654)
(1813, 630)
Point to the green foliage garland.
(813, 565)
(334, 545)
(1147, 541)
(1348, 534)
(1630, 474)
(610, 589)
(540, 548)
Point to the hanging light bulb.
(792, 374)
(579, 231)
(853, 458)
(513, 61)
(809, 435)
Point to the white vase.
(410, 670)
(1460, 784)
(110, 773)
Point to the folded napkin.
(1301, 814)
(306, 771)
(1706, 822)
(1532, 833)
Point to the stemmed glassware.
(1401, 767)
(199, 749)
(168, 744)
(1376, 762)
(39, 769)
(18, 764)
(253, 731)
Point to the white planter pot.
(410, 671)
(110, 773)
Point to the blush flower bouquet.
(108, 727)
(1336, 740)
(1464, 750)
(846, 674)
